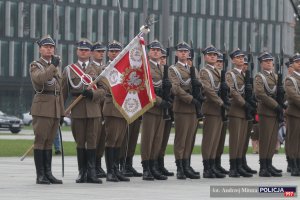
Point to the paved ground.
(17, 181)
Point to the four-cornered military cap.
(163, 53)
(155, 44)
(98, 46)
(296, 57)
(210, 49)
(220, 56)
(115, 46)
(84, 44)
(236, 52)
(46, 40)
(265, 56)
(183, 46)
(246, 60)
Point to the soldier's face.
(83, 54)
(163, 60)
(238, 61)
(154, 54)
(47, 51)
(182, 55)
(98, 54)
(219, 65)
(211, 58)
(112, 54)
(296, 66)
(267, 65)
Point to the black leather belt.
(49, 93)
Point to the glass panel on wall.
(2, 18)
(4, 54)
(61, 21)
(26, 19)
(13, 19)
(83, 22)
(94, 24)
(38, 21)
(72, 23)
(50, 20)
(17, 61)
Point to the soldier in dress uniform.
(47, 108)
(211, 108)
(292, 89)
(290, 70)
(85, 114)
(265, 92)
(238, 123)
(98, 53)
(249, 133)
(115, 125)
(167, 129)
(219, 65)
(184, 112)
(153, 123)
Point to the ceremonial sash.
(84, 77)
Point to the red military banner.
(130, 80)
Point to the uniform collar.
(46, 61)
(239, 70)
(183, 64)
(153, 62)
(96, 63)
(86, 63)
(211, 66)
(268, 72)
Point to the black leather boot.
(241, 170)
(110, 160)
(161, 167)
(180, 172)
(269, 163)
(294, 168)
(48, 167)
(39, 166)
(81, 160)
(263, 171)
(288, 169)
(91, 165)
(273, 171)
(217, 173)
(233, 169)
(100, 173)
(118, 173)
(246, 167)
(187, 171)
(155, 172)
(129, 170)
(123, 168)
(192, 169)
(219, 167)
(207, 171)
(147, 175)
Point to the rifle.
(196, 88)
(249, 97)
(166, 86)
(280, 90)
(224, 89)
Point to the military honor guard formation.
(235, 100)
